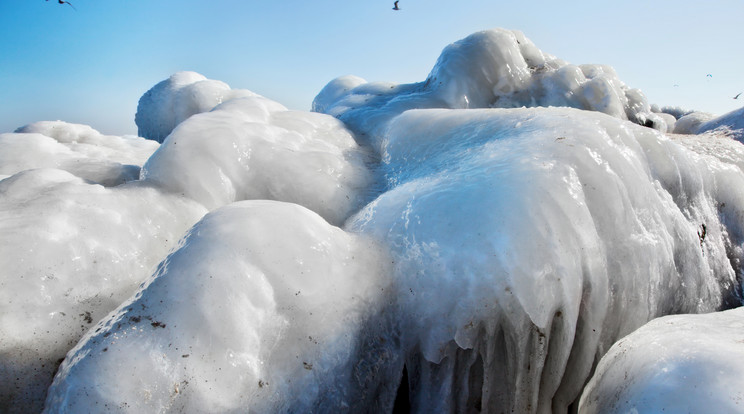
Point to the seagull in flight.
(395, 5)
(65, 1)
(737, 95)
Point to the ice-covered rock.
(173, 100)
(263, 309)
(72, 251)
(732, 121)
(543, 236)
(79, 149)
(681, 363)
(690, 123)
(487, 260)
(496, 68)
(252, 148)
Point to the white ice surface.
(732, 121)
(79, 149)
(674, 364)
(175, 99)
(253, 148)
(495, 68)
(71, 252)
(260, 310)
(504, 251)
(542, 236)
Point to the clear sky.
(91, 64)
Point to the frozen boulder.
(72, 251)
(526, 242)
(490, 69)
(249, 148)
(733, 122)
(681, 363)
(264, 308)
(173, 100)
(79, 149)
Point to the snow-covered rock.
(490, 69)
(262, 309)
(79, 149)
(733, 122)
(173, 100)
(252, 148)
(675, 364)
(72, 251)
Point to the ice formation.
(681, 363)
(254, 148)
(260, 310)
(173, 100)
(468, 248)
(732, 122)
(78, 149)
(543, 236)
(495, 68)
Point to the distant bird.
(65, 1)
(395, 5)
(709, 75)
(737, 95)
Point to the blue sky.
(92, 64)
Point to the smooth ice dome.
(173, 100)
(261, 309)
(253, 148)
(681, 363)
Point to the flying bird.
(395, 5)
(65, 1)
(737, 95)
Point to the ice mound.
(682, 363)
(260, 310)
(251, 148)
(732, 121)
(173, 100)
(542, 236)
(79, 149)
(72, 251)
(477, 258)
(495, 68)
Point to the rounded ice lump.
(680, 363)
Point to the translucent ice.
(681, 363)
(490, 254)
(527, 241)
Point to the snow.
(479, 239)
(681, 363)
